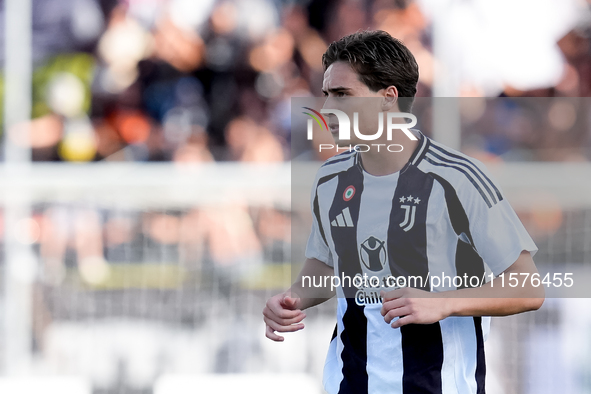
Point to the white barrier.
(45, 384)
(238, 383)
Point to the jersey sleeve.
(496, 232)
(316, 247)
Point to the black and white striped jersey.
(440, 215)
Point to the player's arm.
(309, 295)
(491, 299)
(494, 299)
(284, 312)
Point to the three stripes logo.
(410, 211)
(343, 219)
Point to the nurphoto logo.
(344, 128)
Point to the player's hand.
(282, 313)
(412, 306)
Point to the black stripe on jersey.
(480, 360)
(317, 206)
(468, 263)
(491, 183)
(422, 345)
(407, 250)
(457, 214)
(456, 167)
(317, 214)
(422, 358)
(469, 168)
(345, 238)
(354, 354)
(354, 336)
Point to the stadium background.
(146, 186)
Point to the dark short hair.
(380, 60)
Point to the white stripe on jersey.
(384, 350)
(331, 380)
(450, 357)
(421, 149)
(384, 354)
(332, 374)
(376, 204)
(465, 363)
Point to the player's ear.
(390, 99)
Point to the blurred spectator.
(248, 141)
(194, 150)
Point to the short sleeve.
(316, 248)
(496, 232)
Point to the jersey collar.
(415, 158)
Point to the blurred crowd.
(198, 81)
(232, 238)
(211, 80)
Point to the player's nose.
(329, 103)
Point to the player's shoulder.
(466, 174)
(437, 153)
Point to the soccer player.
(421, 211)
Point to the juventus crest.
(410, 211)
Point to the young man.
(419, 212)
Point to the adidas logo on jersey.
(343, 219)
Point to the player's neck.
(383, 162)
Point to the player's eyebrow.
(338, 89)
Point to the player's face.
(344, 91)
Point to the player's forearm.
(310, 295)
(497, 298)
(490, 301)
(307, 301)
